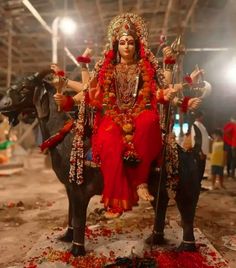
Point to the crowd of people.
(219, 147)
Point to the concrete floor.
(33, 202)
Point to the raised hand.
(168, 52)
(87, 52)
(194, 103)
(59, 99)
(169, 93)
(196, 75)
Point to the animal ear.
(41, 102)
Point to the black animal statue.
(34, 92)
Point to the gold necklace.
(126, 85)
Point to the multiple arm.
(67, 102)
(169, 93)
(172, 92)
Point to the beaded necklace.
(135, 102)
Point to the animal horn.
(40, 75)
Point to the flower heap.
(125, 118)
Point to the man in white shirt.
(200, 140)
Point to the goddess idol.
(125, 88)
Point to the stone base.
(116, 239)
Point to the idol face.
(126, 48)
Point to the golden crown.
(127, 24)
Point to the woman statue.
(126, 86)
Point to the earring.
(111, 45)
(117, 57)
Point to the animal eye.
(23, 90)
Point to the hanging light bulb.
(67, 26)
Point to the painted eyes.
(129, 42)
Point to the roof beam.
(120, 4)
(167, 16)
(139, 6)
(5, 43)
(46, 27)
(98, 5)
(189, 14)
(4, 70)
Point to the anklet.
(142, 186)
(77, 244)
(188, 242)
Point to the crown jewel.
(127, 24)
(127, 28)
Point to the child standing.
(218, 158)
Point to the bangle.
(169, 63)
(77, 244)
(83, 59)
(85, 87)
(84, 66)
(75, 101)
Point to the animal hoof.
(155, 239)
(186, 247)
(77, 250)
(67, 236)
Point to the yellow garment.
(217, 156)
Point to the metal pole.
(37, 15)
(55, 24)
(46, 27)
(9, 54)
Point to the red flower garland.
(169, 61)
(60, 73)
(188, 79)
(58, 137)
(83, 59)
(184, 105)
(144, 99)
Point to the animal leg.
(187, 218)
(79, 206)
(68, 235)
(187, 198)
(157, 236)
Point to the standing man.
(230, 137)
(200, 141)
(227, 137)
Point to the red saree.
(120, 181)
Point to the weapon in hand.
(59, 82)
(202, 87)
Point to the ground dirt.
(34, 202)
